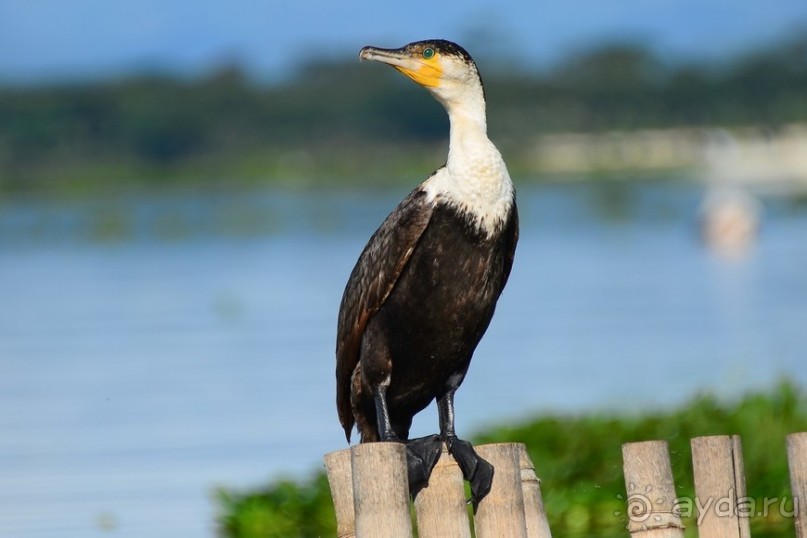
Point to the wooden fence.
(371, 498)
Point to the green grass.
(578, 459)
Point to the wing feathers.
(373, 278)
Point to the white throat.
(475, 178)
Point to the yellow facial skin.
(421, 64)
(428, 72)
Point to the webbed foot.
(421, 457)
(477, 471)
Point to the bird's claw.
(477, 471)
(421, 457)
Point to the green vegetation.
(345, 121)
(579, 460)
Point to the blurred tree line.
(345, 120)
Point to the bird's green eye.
(428, 53)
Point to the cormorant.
(425, 287)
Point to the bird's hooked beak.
(426, 72)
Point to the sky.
(46, 40)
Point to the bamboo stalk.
(337, 465)
(534, 513)
(652, 508)
(501, 512)
(797, 461)
(441, 507)
(723, 507)
(381, 490)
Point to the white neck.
(468, 127)
(475, 178)
(464, 102)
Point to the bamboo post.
(535, 515)
(652, 508)
(340, 480)
(441, 507)
(381, 490)
(797, 461)
(501, 512)
(723, 507)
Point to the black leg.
(445, 413)
(421, 454)
(476, 470)
(385, 431)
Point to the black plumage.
(415, 307)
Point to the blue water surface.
(156, 346)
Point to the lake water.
(154, 347)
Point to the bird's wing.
(511, 235)
(370, 283)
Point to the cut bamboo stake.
(337, 465)
(441, 508)
(723, 507)
(652, 509)
(381, 490)
(535, 515)
(501, 512)
(797, 461)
